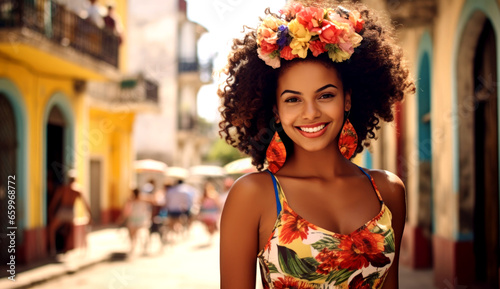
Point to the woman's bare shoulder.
(252, 185)
(390, 186)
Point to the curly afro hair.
(376, 74)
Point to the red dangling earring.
(275, 154)
(348, 140)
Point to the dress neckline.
(383, 209)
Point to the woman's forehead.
(308, 74)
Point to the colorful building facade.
(62, 107)
(444, 143)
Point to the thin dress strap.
(276, 193)
(373, 183)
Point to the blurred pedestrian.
(63, 204)
(137, 215)
(94, 15)
(210, 208)
(178, 204)
(112, 23)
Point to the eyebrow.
(318, 90)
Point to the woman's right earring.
(275, 154)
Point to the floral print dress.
(302, 255)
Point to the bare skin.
(319, 183)
(65, 196)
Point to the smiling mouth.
(312, 129)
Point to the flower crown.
(309, 28)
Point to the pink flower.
(311, 18)
(286, 53)
(317, 47)
(291, 9)
(329, 32)
(270, 59)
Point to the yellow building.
(63, 104)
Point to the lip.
(313, 134)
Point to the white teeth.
(313, 129)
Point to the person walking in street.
(63, 204)
(178, 203)
(304, 93)
(210, 208)
(137, 215)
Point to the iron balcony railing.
(55, 23)
(188, 65)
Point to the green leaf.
(327, 242)
(272, 268)
(339, 276)
(370, 279)
(390, 246)
(291, 264)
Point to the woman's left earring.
(348, 140)
(275, 154)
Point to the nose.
(311, 110)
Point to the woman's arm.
(239, 234)
(393, 193)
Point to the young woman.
(304, 91)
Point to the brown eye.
(292, 99)
(327, 95)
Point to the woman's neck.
(325, 163)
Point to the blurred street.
(188, 262)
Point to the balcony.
(188, 65)
(130, 94)
(411, 13)
(45, 28)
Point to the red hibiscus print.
(361, 249)
(291, 283)
(293, 226)
(329, 261)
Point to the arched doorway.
(477, 114)
(486, 224)
(8, 161)
(55, 165)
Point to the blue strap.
(371, 182)
(367, 175)
(276, 193)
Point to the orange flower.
(267, 48)
(361, 249)
(311, 18)
(317, 47)
(357, 22)
(293, 226)
(287, 54)
(291, 283)
(329, 261)
(267, 35)
(329, 32)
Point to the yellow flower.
(301, 37)
(338, 55)
(272, 22)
